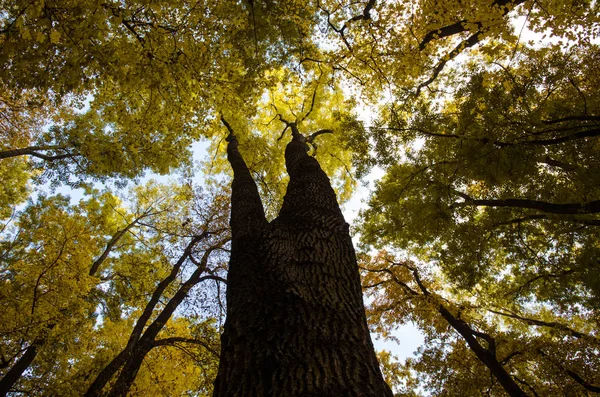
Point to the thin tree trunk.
(127, 353)
(296, 323)
(13, 375)
(134, 361)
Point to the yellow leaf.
(26, 34)
(54, 37)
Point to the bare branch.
(34, 151)
(460, 26)
(175, 339)
(540, 323)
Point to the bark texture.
(296, 323)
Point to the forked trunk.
(296, 323)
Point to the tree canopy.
(483, 231)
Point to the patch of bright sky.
(406, 339)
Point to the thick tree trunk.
(296, 323)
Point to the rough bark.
(296, 323)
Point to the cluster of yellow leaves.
(497, 208)
(312, 100)
(150, 78)
(76, 277)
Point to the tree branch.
(572, 118)
(112, 242)
(586, 385)
(555, 141)
(470, 42)
(487, 356)
(365, 16)
(460, 26)
(540, 323)
(34, 151)
(175, 339)
(591, 207)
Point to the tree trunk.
(296, 323)
(13, 375)
(141, 342)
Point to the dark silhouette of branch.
(311, 138)
(591, 207)
(539, 277)
(107, 373)
(460, 26)
(144, 343)
(312, 105)
(118, 12)
(449, 30)
(486, 355)
(173, 340)
(540, 323)
(365, 16)
(586, 385)
(13, 375)
(226, 124)
(586, 222)
(593, 132)
(112, 242)
(467, 43)
(572, 118)
(555, 141)
(556, 163)
(456, 28)
(35, 152)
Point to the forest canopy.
(484, 120)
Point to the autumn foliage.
(483, 118)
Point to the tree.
(79, 280)
(472, 344)
(489, 205)
(146, 79)
(295, 318)
(497, 207)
